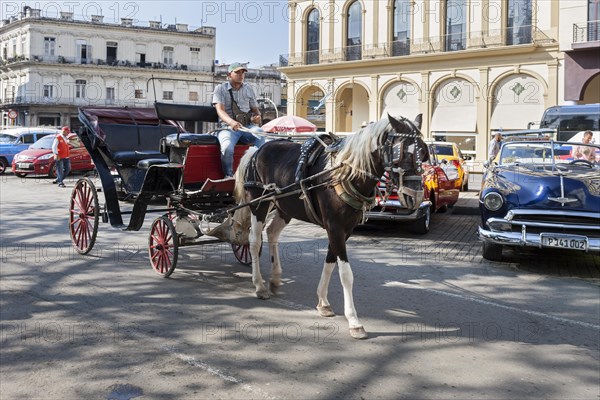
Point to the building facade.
(51, 66)
(469, 66)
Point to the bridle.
(392, 151)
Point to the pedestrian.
(587, 153)
(61, 150)
(494, 146)
(236, 105)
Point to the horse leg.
(356, 329)
(324, 307)
(255, 244)
(273, 232)
(337, 243)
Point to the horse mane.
(357, 151)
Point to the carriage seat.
(148, 162)
(190, 139)
(128, 144)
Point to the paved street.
(442, 321)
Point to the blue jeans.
(63, 167)
(229, 138)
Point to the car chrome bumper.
(399, 214)
(526, 239)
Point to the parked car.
(39, 159)
(450, 152)
(14, 140)
(537, 194)
(435, 190)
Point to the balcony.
(457, 42)
(46, 59)
(586, 34)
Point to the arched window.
(313, 31)
(401, 34)
(353, 48)
(456, 25)
(519, 22)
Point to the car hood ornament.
(562, 199)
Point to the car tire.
(3, 165)
(492, 251)
(20, 174)
(421, 225)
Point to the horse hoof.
(325, 311)
(263, 295)
(358, 333)
(274, 288)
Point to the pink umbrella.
(289, 124)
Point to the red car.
(39, 159)
(434, 191)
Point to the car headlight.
(46, 156)
(493, 201)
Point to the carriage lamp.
(493, 201)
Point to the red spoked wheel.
(242, 253)
(84, 215)
(163, 247)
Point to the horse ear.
(397, 125)
(419, 121)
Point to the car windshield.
(548, 153)
(6, 138)
(43, 143)
(443, 150)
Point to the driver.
(587, 153)
(237, 107)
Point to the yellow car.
(450, 152)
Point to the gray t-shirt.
(244, 97)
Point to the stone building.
(51, 66)
(469, 66)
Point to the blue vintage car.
(541, 194)
(15, 140)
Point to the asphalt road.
(443, 323)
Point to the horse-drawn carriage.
(145, 156)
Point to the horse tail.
(240, 175)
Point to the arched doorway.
(351, 108)
(311, 105)
(591, 90)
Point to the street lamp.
(270, 101)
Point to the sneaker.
(54, 182)
(61, 185)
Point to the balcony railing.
(73, 101)
(586, 32)
(47, 59)
(448, 43)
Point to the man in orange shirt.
(61, 150)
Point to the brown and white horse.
(339, 187)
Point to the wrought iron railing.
(526, 34)
(586, 32)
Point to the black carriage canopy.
(94, 117)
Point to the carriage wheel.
(163, 246)
(84, 216)
(242, 253)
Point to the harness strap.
(351, 196)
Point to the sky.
(254, 32)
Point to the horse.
(339, 187)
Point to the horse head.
(405, 147)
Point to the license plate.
(571, 242)
(24, 165)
